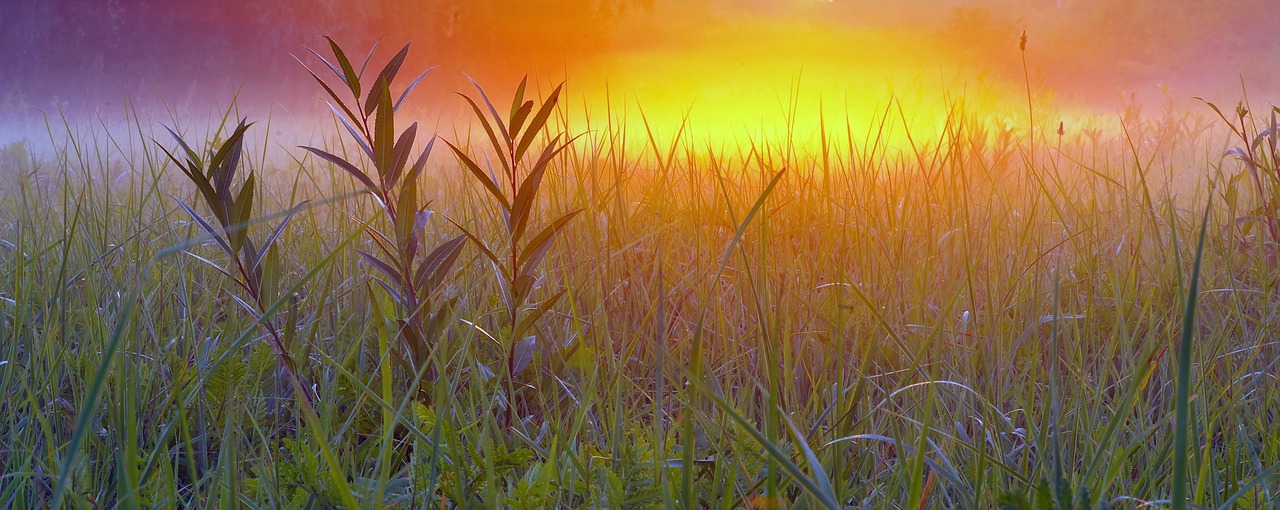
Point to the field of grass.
(617, 319)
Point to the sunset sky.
(732, 64)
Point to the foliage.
(946, 329)
(404, 272)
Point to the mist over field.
(90, 58)
(710, 254)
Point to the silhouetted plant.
(255, 269)
(1260, 154)
(408, 276)
(515, 264)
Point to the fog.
(96, 59)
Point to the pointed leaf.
(493, 111)
(827, 493)
(192, 157)
(242, 212)
(422, 161)
(522, 353)
(388, 75)
(406, 214)
(436, 265)
(385, 267)
(481, 176)
(538, 122)
(412, 85)
(537, 248)
(355, 135)
(349, 73)
(488, 129)
(275, 234)
(337, 72)
(384, 133)
(211, 264)
(529, 318)
(519, 116)
(401, 155)
(248, 308)
(329, 90)
(518, 100)
(479, 244)
(196, 175)
(391, 289)
(348, 167)
(205, 226)
(783, 460)
(222, 167)
(368, 56)
(523, 203)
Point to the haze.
(732, 65)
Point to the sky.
(731, 65)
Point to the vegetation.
(551, 317)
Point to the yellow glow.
(762, 79)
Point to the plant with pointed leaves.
(1259, 153)
(409, 277)
(255, 268)
(516, 260)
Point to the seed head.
(1060, 130)
(1022, 41)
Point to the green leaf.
(355, 134)
(386, 268)
(436, 265)
(529, 318)
(538, 122)
(1182, 399)
(401, 157)
(522, 353)
(517, 101)
(337, 72)
(275, 234)
(807, 483)
(222, 166)
(205, 226)
(412, 85)
(242, 212)
(493, 139)
(348, 167)
(406, 214)
(192, 157)
(422, 160)
(481, 176)
(522, 206)
(384, 133)
(479, 244)
(388, 75)
(827, 492)
(196, 175)
(348, 73)
(519, 116)
(537, 248)
(492, 111)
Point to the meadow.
(532, 311)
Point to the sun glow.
(752, 78)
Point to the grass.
(964, 322)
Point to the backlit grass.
(967, 321)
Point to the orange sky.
(735, 63)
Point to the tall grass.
(877, 326)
